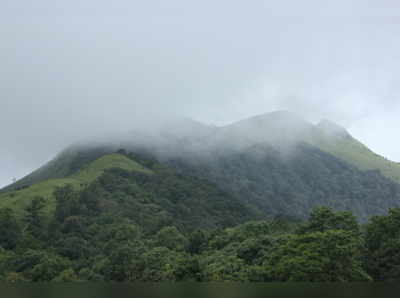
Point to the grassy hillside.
(68, 162)
(19, 199)
(350, 150)
(282, 129)
(80, 165)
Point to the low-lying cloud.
(83, 68)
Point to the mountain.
(64, 164)
(263, 199)
(337, 141)
(278, 163)
(284, 127)
(63, 170)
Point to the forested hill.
(152, 194)
(277, 163)
(291, 184)
(238, 203)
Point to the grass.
(357, 154)
(19, 200)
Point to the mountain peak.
(333, 128)
(280, 128)
(280, 118)
(281, 115)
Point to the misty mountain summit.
(276, 163)
(333, 129)
(274, 128)
(187, 196)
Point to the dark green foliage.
(329, 256)
(154, 201)
(125, 263)
(197, 241)
(73, 247)
(165, 226)
(34, 217)
(327, 248)
(294, 181)
(67, 202)
(221, 267)
(171, 238)
(10, 231)
(38, 265)
(323, 219)
(161, 264)
(383, 246)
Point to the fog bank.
(73, 70)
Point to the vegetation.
(355, 153)
(291, 183)
(248, 215)
(276, 163)
(157, 225)
(87, 241)
(68, 162)
(19, 199)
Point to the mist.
(78, 69)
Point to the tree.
(125, 262)
(382, 241)
(197, 242)
(329, 256)
(10, 232)
(50, 266)
(38, 265)
(34, 217)
(221, 267)
(323, 219)
(67, 275)
(73, 247)
(171, 238)
(5, 256)
(161, 264)
(66, 202)
(14, 277)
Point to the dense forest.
(294, 182)
(165, 226)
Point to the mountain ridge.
(276, 128)
(255, 160)
(86, 175)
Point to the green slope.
(68, 162)
(19, 199)
(338, 142)
(80, 165)
(283, 128)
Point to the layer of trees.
(96, 236)
(294, 181)
(166, 227)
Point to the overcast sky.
(71, 69)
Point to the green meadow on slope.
(352, 151)
(359, 155)
(65, 164)
(282, 129)
(19, 199)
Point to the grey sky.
(71, 69)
